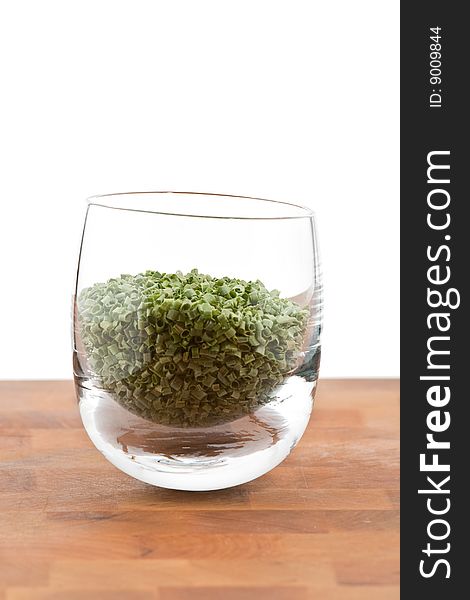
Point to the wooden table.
(322, 525)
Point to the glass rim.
(101, 200)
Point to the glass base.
(197, 459)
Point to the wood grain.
(323, 525)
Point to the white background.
(293, 100)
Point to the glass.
(196, 334)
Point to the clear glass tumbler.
(196, 334)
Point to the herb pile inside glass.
(189, 350)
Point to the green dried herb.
(189, 350)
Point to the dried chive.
(189, 350)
